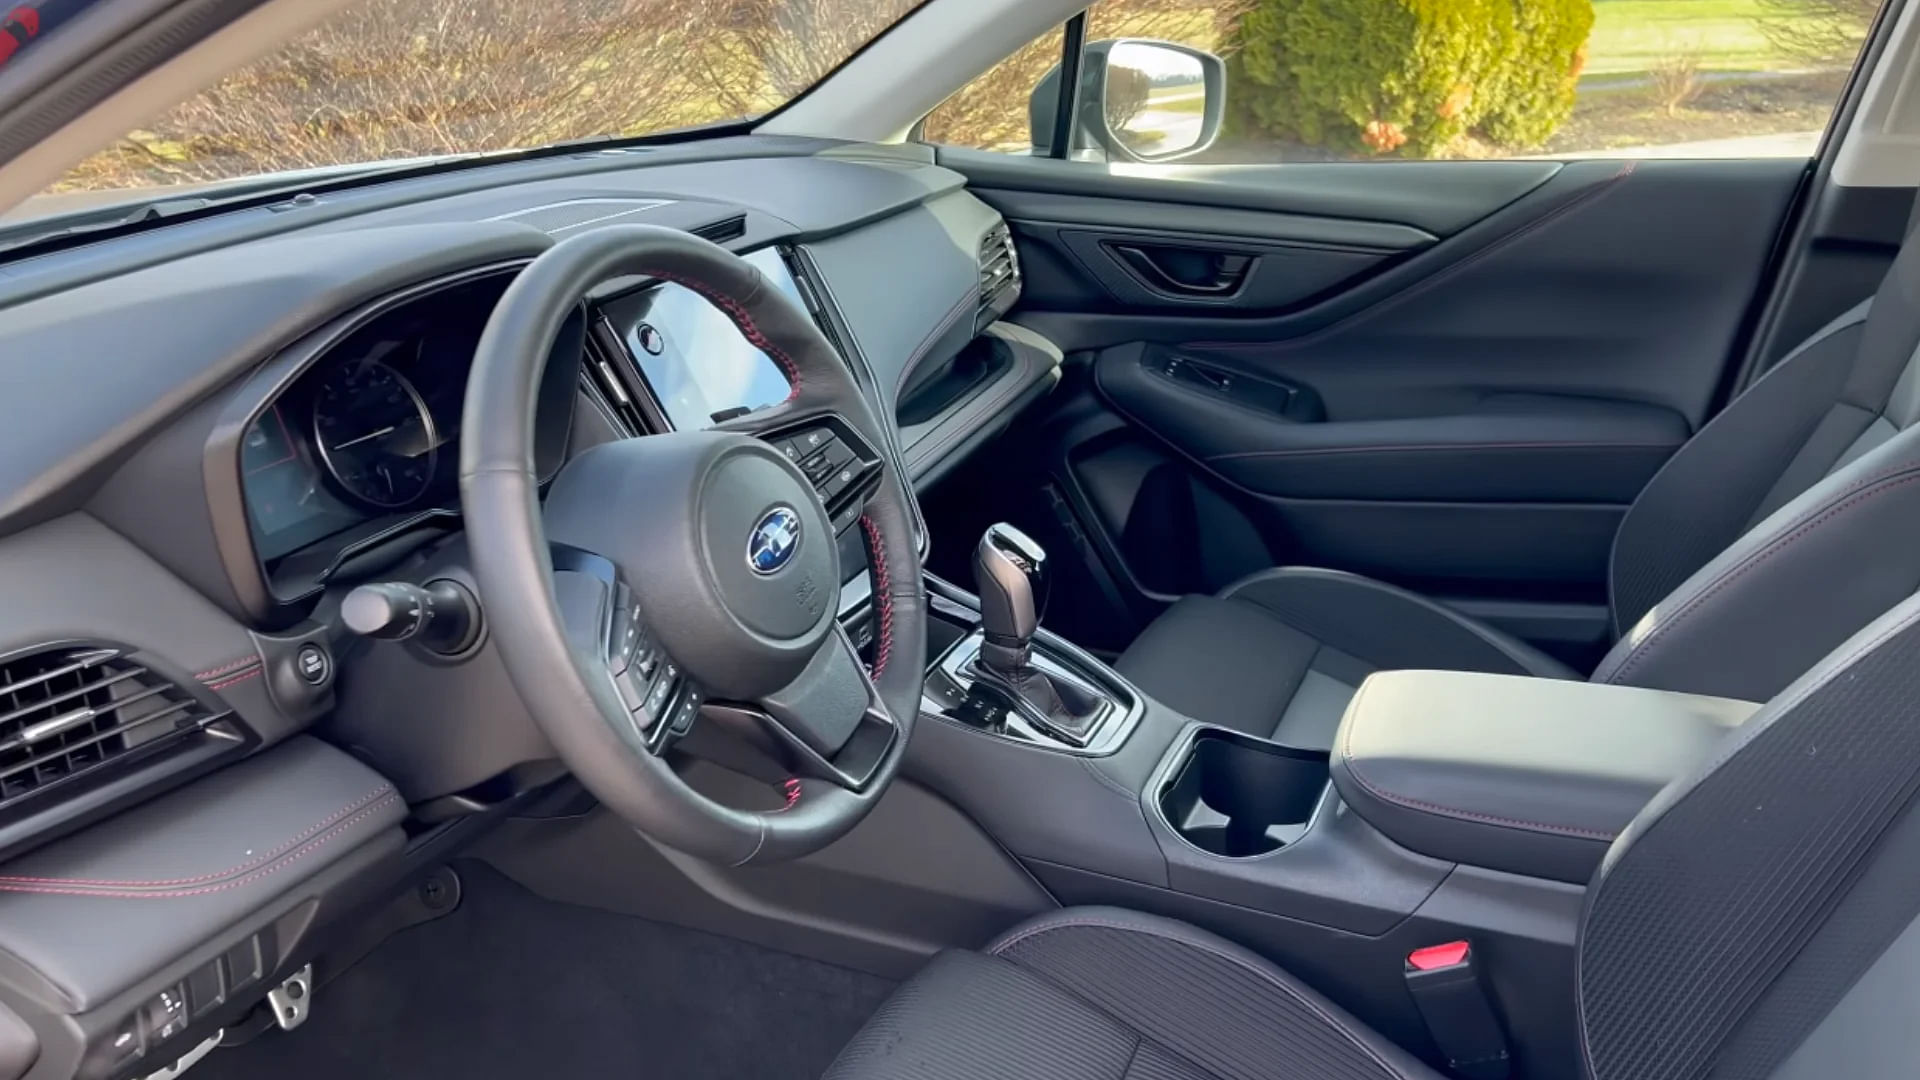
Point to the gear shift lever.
(1006, 568)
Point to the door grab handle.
(1220, 272)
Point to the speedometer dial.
(375, 434)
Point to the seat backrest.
(1788, 521)
(1761, 918)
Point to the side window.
(1259, 81)
(990, 113)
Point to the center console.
(1453, 806)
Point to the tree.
(1818, 33)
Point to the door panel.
(1450, 375)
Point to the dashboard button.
(123, 1042)
(166, 1014)
(809, 441)
(788, 447)
(313, 664)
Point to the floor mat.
(515, 986)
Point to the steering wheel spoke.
(829, 724)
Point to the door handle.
(1186, 271)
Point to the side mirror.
(1139, 101)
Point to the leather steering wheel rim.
(577, 709)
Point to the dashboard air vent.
(999, 273)
(727, 228)
(67, 712)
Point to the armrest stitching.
(1406, 802)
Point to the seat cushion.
(1279, 654)
(1107, 994)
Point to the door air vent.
(999, 275)
(69, 713)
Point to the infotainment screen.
(699, 366)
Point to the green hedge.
(1407, 76)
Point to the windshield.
(394, 80)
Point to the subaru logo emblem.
(774, 539)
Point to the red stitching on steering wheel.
(883, 584)
(748, 328)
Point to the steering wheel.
(679, 581)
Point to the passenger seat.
(1790, 521)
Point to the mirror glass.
(1156, 99)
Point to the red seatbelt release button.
(1445, 984)
(1435, 957)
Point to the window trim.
(1073, 42)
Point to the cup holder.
(1239, 797)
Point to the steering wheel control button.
(683, 716)
(313, 664)
(774, 541)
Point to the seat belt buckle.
(1446, 988)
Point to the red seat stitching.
(1859, 493)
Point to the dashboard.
(253, 412)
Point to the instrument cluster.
(371, 431)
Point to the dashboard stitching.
(321, 826)
(170, 894)
(233, 665)
(236, 680)
(884, 589)
(744, 321)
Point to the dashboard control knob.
(442, 615)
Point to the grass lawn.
(1629, 36)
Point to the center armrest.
(1529, 776)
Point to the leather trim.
(1523, 775)
(1379, 791)
(306, 842)
(96, 912)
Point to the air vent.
(999, 274)
(68, 713)
(727, 228)
(606, 386)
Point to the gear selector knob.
(1008, 569)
